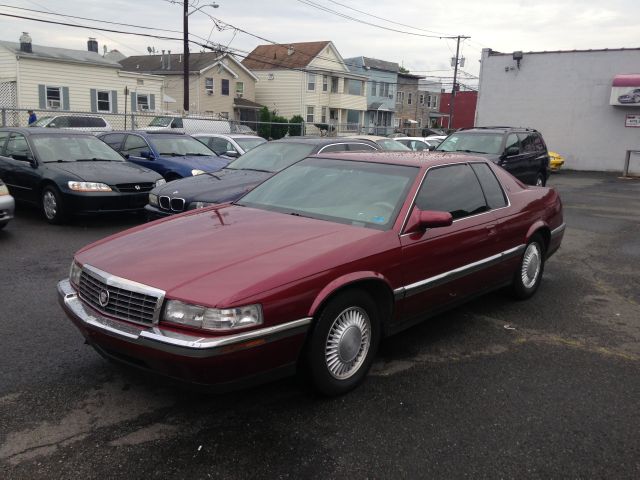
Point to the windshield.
(472, 142)
(355, 193)
(391, 145)
(41, 122)
(180, 146)
(272, 157)
(249, 143)
(72, 148)
(160, 122)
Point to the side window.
(512, 147)
(418, 146)
(60, 122)
(454, 189)
(177, 123)
(527, 142)
(360, 147)
(490, 186)
(339, 147)
(539, 143)
(17, 145)
(133, 145)
(220, 145)
(114, 140)
(3, 140)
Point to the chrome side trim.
(169, 341)
(442, 278)
(559, 230)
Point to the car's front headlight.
(195, 205)
(89, 187)
(212, 318)
(197, 172)
(74, 272)
(4, 190)
(153, 200)
(162, 181)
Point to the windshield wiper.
(252, 170)
(197, 154)
(469, 151)
(59, 161)
(172, 154)
(95, 160)
(213, 175)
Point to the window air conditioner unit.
(209, 92)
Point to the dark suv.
(520, 151)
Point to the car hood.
(219, 256)
(222, 186)
(206, 163)
(110, 173)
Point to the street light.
(185, 30)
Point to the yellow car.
(555, 161)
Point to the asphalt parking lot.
(544, 388)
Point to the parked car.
(312, 268)
(520, 151)
(633, 96)
(85, 123)
(7, 205)
(189, 125)
(437, 139)
(66, 172)
(385, 143)
(172, 155)
(556, 161)
(230, 145)
(417, 144)
(244, 173)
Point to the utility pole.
(455, 81)
(185, 64)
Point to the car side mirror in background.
(21, 157)
(420, 220)
(147, 154)
(431, 148)
(231, 153)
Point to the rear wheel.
(541, 180)
(343, 343)
(529, 274)
(52, 205)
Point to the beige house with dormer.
(309, 79)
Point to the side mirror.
(147, 154)
(21, 157)
(434, 219)
(511, 151)
(232, 154)
(431, 148)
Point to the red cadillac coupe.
(311, 268)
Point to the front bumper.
(7, 208)
(186, 356)
(154, 213)
(105, 202)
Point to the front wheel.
(52, 205)
(343, 343)
(529, 274)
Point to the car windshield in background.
(160, 122)
(249, 143)
(391, 145)
(41, 122)
(73, 148)
(472, 143)
(180, 146)
(272, 157)
(364, 194)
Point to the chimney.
(92, 45)
(168, 59)
(25, 43)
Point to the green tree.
(264, 129)
(295, 125)
(279, 127)
(403, 70)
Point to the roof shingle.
(276, 57)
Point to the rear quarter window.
(490, 186)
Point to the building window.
(421, 99)
(334, 84)
(435, 101)
(386, 90)
(239, 89)
(225, 87)
(311, 82)
(419, 123)
(208, 85)
(310, 110)
(409, 99)
(324, 115)
(374, 89)
(354, 87)
(325, 83)
(396, 122)
(103, 101)
(54, 97)
(142, 101)
(400, 97)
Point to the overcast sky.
(503, 25)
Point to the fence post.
(133, 121)
(4, 117)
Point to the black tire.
(345, 336)
(52, 206)
(528, 276)
(541, 180)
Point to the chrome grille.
(177, 204)
(131, 187)
(123, 303)
(165, 203)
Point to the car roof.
(43, 130)
(318, 140)
(226, 135)
(422, 139)
(373, 138)
(421, 159)
(143, 133)
(496, 129)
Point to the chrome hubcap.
(531, 263)
(348, 342)
(49, 204)
(539, 182)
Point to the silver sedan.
(7, 205)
